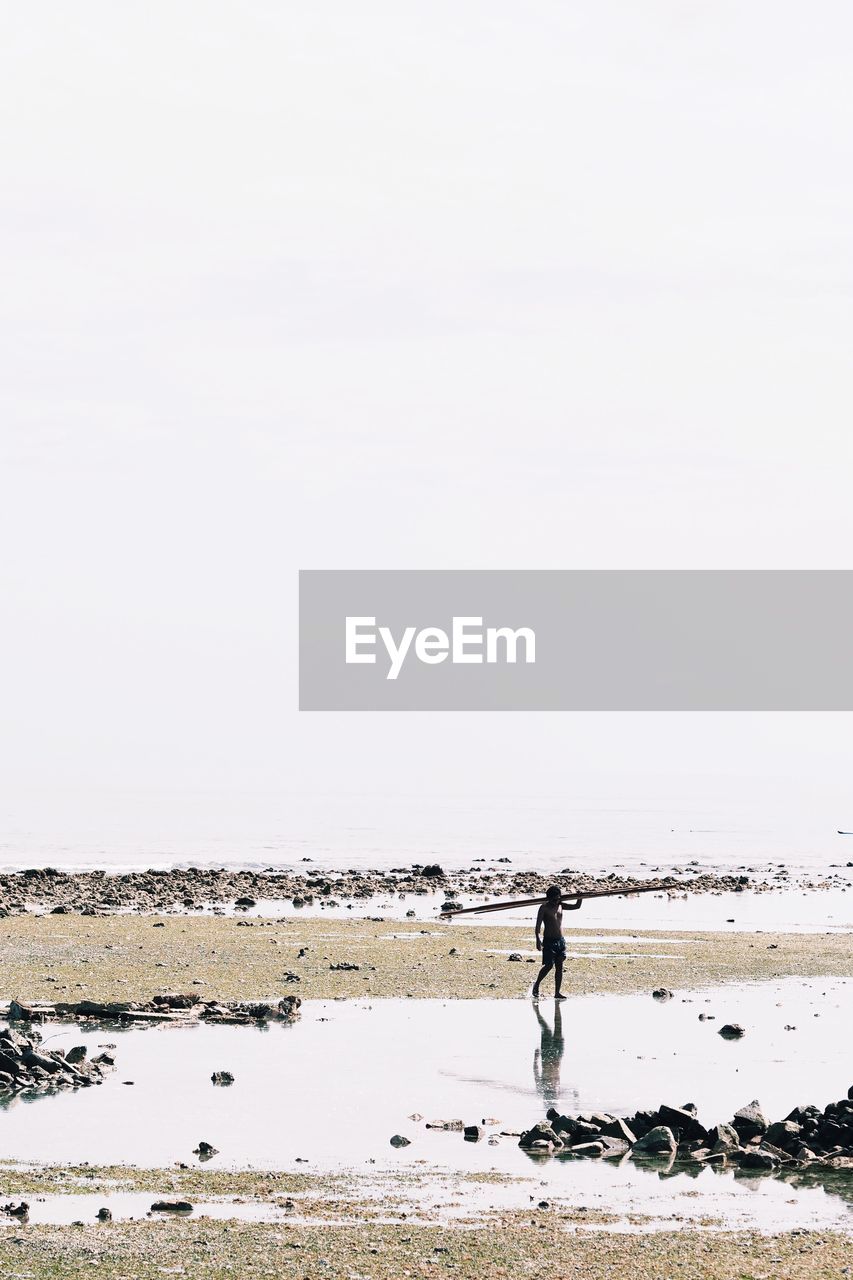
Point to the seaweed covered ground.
(533, 1244)
(73, 957)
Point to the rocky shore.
(27, 1068)
(807, 1137)
(194, 889)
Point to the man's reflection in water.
(548, 1057)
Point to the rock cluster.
(26, 1067)
(197, 888)
(163, 1008)
(807, 1136)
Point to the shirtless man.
(549, 922)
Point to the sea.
(547, 833)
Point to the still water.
(327, 1093)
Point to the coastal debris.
(162, 1008)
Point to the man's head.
(554, 894)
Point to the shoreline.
(194, 889)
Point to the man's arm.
(539, 918)
(572, 906)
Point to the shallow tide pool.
(327, 1093)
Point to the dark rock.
(432, 872)
(540, 1133)
(474, 1132)
(784, 1134)
(587, 1149)
(171, 1206)
(16, 1210)
(344, 967)
(77, 1054)
(619, 1130)
(104, 1215)
(731, 1031)
(585, 1130)
(802, 1115)
(658, 1141)
(614, 1147)
(205, 1151)
(662, 993)
(245, 903)
(399, 1141)
(176, 1001)
(515, 956)
(642, 1121)
(749, 1122)
(724, 1138)
(683, 1124)
(760, 1161)
(19, 1012)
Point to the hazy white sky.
(469, 284)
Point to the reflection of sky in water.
(335, 1086)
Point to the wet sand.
(536, 1242)
(52, 958)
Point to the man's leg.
(558, 981)
(546, 968)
